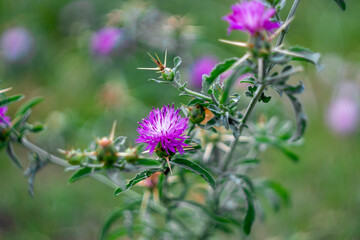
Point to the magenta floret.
(164, 126)
(252, 17)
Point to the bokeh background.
(81, 56)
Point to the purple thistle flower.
(4, 119)
(16, 44)
(200, 67)
(164, 126)
(106, 40)
(343, 115)
(251, 16)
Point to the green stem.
(197, 94)
(227, 157)
(249, 109)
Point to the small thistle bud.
(131, 154)
(168, 74)
(74, 157)
(162, 153)
(196, 114)
(105, 151)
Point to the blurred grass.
(324, 184)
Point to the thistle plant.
(194, 160)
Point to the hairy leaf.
(298, 53)
(220, 68)
(12, 155)
(139, 177)
(84, 172)
(191, 166)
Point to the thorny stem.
(227, 157)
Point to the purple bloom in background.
(164, 126)
(251, 16)
(106, 40)
(16, 44)
(343, 115)
(4, 119)
(201, 66)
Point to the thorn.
(280, 29)
(165, 57)
(112, 133)
(153, 69)
(62, 151)
(5, 90)
(168, 162)
(239, 44)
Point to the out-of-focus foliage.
(84, 91)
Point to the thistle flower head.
(16, 44)
(252, 17)
(201, 66)
(165, 127)
(106, 40)
(4, 119)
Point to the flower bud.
(131, 154)
(168, 74)
(197, 114)
(161, 152)
(106, 152)
(74, 157)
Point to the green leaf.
(35, 128)
(301, 119)
(12, 155)
(28, 105)
(278, 189)
(250, 211)
(11, 99)
(220, 68)
(341, 4)
(139, 177)
(298, 53)
(113, 216)
(238, 179)
(84, 172)
(278, 144)
(147, 162)
(212, 215)
(191, 166)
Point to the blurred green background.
(84, 93)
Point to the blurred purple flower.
(343, 115)
(164, 126)
(106, 40)
(252, 17)
(200, 67)
(16, 44)
(4, 119)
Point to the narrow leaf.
(113, 216)
(28, 105)
(84, 172)
(301, 118)
(298, 53)
(191, 166)
(12, 155)
(220, 68)
(250, 212)
(11, 99)
(139, 177)
(147, 162)
(341, 4)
